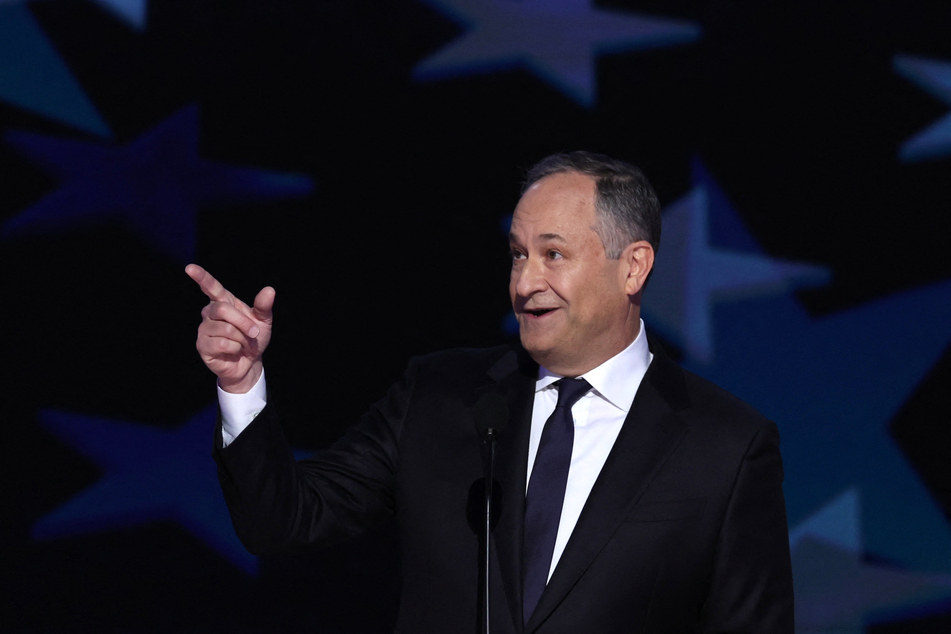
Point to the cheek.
(578, 287)
(596, 298)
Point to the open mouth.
(539, 312)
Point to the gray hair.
(627, 207)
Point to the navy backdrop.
(363, 158)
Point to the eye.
(516, 255)
(554, 255)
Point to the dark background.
(302, 145)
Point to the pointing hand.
(232, 335)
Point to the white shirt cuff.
(238, 410)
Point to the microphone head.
(490, 412)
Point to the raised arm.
(232, 336)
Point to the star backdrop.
(363, 158)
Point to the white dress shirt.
(238, 410)
(598, 416)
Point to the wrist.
(245, 383)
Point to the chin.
(543, 354)
(536, 348)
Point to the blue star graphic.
(837, 589)
(706, 257)
(132, 12)
(33, 76)
(154, 184)
(150, 474)
(558, 40)
(832, 384)
(838, 523)
(935, 77)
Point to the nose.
(529, 277)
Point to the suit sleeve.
(751, 589)
(276, 502)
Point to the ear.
(638, 260)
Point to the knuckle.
(203, 344)
(225, 345)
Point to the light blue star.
(33, 76)
(832, 384)
(154, 185)
(149, 474)
(838, 523)
(837, 589)
(693, 273)
(558, 40)
(935, 77)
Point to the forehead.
(558, 203)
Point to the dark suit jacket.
(684, 530)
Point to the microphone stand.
(490, 416)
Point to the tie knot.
(570, 390)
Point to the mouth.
(539, 312)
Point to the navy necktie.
(546, 491)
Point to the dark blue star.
(935, 77)
(558, 40)
(154, 184)
(33, 75)
(149, 474)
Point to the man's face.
(573, 304)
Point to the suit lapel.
(513, 378)
(649, 435)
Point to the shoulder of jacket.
(464, 357)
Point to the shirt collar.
(618, 378)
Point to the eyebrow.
(543, 236)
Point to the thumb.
(263, 304)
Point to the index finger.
(208, 284)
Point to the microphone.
(491, 415)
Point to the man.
(650, 501)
